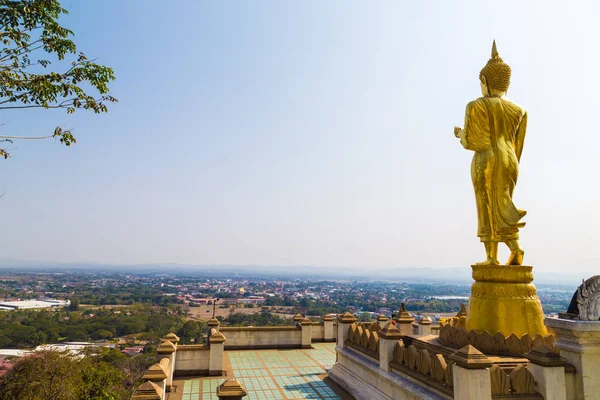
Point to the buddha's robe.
(495, 130)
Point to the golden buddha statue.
(495, 131)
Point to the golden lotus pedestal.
(504, 299)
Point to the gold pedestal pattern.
(504, 299)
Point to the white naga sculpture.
(588, 299)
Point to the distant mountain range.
(413, 275)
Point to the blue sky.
(308, 133)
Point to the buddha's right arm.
(463, 139)
(475, 131)
(462, 135)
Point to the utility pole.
(214, 306)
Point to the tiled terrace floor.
(271, 375)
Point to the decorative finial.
(495, 54)
(462, 312)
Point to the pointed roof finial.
(495, 54)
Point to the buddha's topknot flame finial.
(495, 54)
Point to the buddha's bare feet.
(516, 257)
(489, 261)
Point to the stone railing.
(263, 337)
(509, 383)
(436, 371)
(419, 363)
(365, 338)
(156, 379)
(324, 331)
(207, 359)
(192, 360)
(181, 360)
(300, 335)
(419, 367)
(477, 376)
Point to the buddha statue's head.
(495, 76)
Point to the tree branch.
(63, 104)
(24, 137)
(31, 106)
(20, 51)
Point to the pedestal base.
(504, 300)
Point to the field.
(205, 312)
(83, 307)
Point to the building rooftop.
(26, 304)
(271, 374)
(13, 353)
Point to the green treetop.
(31, 36)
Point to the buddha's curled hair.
(496, 72)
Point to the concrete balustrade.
(212, 323)
(471, 375)
(217, 348)
(192, 360)
(306, 333)
(579, 344)
(404, 321)
(279, 337)
(424, 327)
(328, 333)
(262, 337)
(388, 337)
(157, 375)
(166, 350)
(207, 359)
(344, 322)
(548, 370)
(466, 374)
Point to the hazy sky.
(308, 133)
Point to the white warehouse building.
(33, 304)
